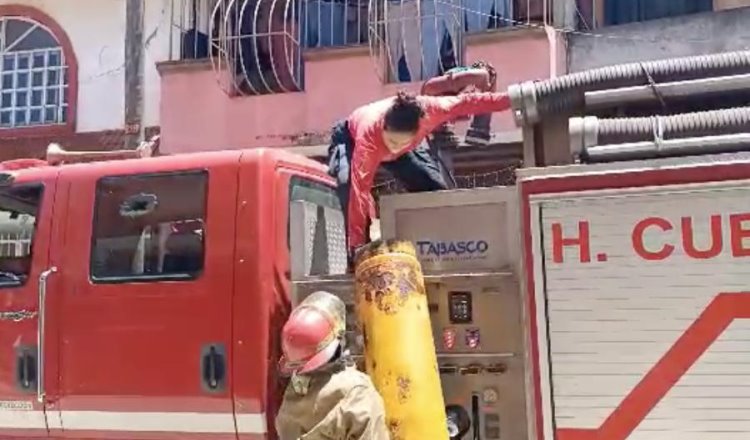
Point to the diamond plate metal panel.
(317, 239)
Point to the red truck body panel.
(556, 254)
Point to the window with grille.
(19, 208)
(33, 75)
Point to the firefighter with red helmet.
(327, 397)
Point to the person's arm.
(440, 109)
(287, 425)
(453, 83)
(363, 169)
(363, 414)
(286, 428)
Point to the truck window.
(313, 192)
(305, 190)
(149, 227)
(315, 231)
(19, 206)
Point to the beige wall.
(721, 31)
(730, 4)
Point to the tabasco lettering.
(727, 234)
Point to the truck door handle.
(40, 392)
(213, 368)
(26, 368)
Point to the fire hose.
(532, 100)
(704, 123)
(715, 131)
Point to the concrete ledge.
(512, 32)
(178, 66)
(309, 151)
(326, 53)
(502, 138)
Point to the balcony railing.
(419, 39)
(15, 245)
(261, 41)
(334, 23)
(319, 23)
(190, 29)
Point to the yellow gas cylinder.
(393, 313)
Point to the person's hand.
(146, 149)
(54, 155)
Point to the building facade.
(241, 80)
(79, 72)
(620, 31)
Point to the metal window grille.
(260, 42)
(33, 75)
(14, 245)
(320, 23)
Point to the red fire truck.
(132, 311)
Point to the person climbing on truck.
(392, 131)
(56, 155)
(327, 397)
(479, 77)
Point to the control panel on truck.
(472, 277)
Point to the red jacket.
(366, 127)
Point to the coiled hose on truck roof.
(567, 92)
(707, 132)
(705, 123)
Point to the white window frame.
(39, 89)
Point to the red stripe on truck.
(702, 333)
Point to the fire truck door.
(145, 302)
(314, 203)
(25, 228)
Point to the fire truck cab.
(140, 298)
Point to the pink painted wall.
(196, 114)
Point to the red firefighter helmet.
(313, 333)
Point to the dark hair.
(481, 64)
(404, 114)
